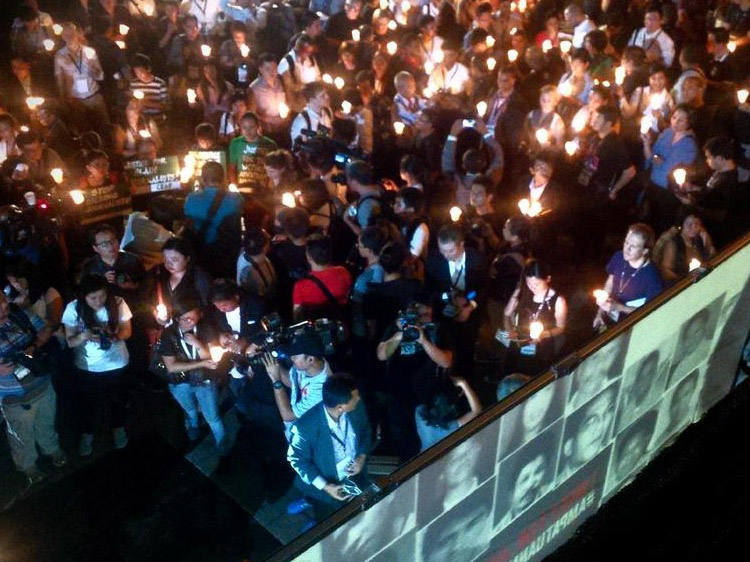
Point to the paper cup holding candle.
(283, 110)
(455, 213)
(34, 102)
(535, 209)
(579, 122)
(542, 136)
(601, 296)
(645, 124)
(346, 107)
(57, 175)
(438, 57)
(287, 199)
(524, 205)
(217, 352)
(680, 176)
(392, 25)
(489, 41)
(535, 329)
(565, 46)
(694, 264)
(206, 50)
(732, 46)
(77, 196)
(138, 94)
(546, 45)
(355, 34)
(327, 78)
(742, 96)
(233, 188)
(161, 312)
(244, 51)
(491, 63)
(391, 47)
(192, 96)
(89, 53)
(48, 44)
(566, 89)
(399, 127)
(571, 147)
(512, 55)
(57, 29)
(428, 67)
(338, 82)
(121, 45)
(481, 108)
(619, 75)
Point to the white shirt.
(457, 271)
(419, 241)
(299, 123)
(307, 391)
(535, 192)
(304, 72)
(90, 356)
(205, 10)
(580, 31)
(453, 80)
(641, 38)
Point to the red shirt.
(336, 278)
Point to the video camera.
(409, 322)
(275, 339)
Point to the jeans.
(29, 424)
(207, 396)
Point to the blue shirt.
(630, 285)
(682, 153)
(430, 434)
(198, 204)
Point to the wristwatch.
(277, 385)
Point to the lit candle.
(482, 108)
(523, 206)
(455, 213)
(89, 53)
(405, 6)
(535, 329)
(24, 129)
(645, 124)
(190, 161)
(144, 134)
(77, 196)
(742, 96)
(206, 50)
(428, 67)
(392, 25)
(49, 44)
(491, 62)
(121, 45)
(565, 46)
(57, 29)
(438, 56)
(606, 84)
(138, 94)
(535, 209)
(244, 50)
(346, 107)
(546, 45)
(123, 29)
(34, 102)
(399, 127)
(694, 264)
(338, 82)
(512, 9)
(391, 47)
(287, 199)
(513, 30)
(680, 175)
(327, 78)
(233, 188)
(731, 46)
(161, 312)
(148, 9)
(512, 55)
(490, 41)
(383, 4)
(601, 296)
(427, 92)
(571, 147)
(542, 136)
(216, 353)
(355, 34)
(57, 175)
(191, 96)
(579, 121)
(619, 75)
(283, 110)
(522, 6)
(186, 174)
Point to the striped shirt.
(15, 338)
(154, 92)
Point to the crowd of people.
(343, 200)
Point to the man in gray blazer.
(329, 444)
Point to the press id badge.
(528, 349)
(341, 467)
(81, 85)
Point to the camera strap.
(323, 289)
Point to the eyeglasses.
(105, 244)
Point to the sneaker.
(120, 437)
(298, 506)
(86, 446)
(34, 475)
(59, 458)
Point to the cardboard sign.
(103, 203)
(203, 156)
(151, 176)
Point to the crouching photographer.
(187, 366)
(417, 354)
(27, 398)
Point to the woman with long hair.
(97, 324)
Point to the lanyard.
(190, 354)
(79, 64)
(340, 441)
(543, 304)
(446, 80)
(457, 277)
(622, 286)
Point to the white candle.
(455, 213)
(512, 55)
(338, 82)
(121, 45)
(601, 296)
(732, 46)
(491, 62)
(161, 312)
(571, 147)
(138, 94)
(399, 127)
(392, 25)
(546, 45)
(49, 44)
(216, 353)
(144, 134)
(57, 29)
(742, 96)
(283, 110)
(346, 107)
(490, 41)
(542, 136)
(206, 50)
(191, 96)
(523, 206)
(123, 29)
(694, 264)
(34, 102)
(482, 108)
(327, 78)
(244, 50)
(565, 46)
(619, 75)
(355, 34)
(391, 47)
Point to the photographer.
(191, 373)
(28, 400)
(316, 119)
(236, 315)
(97, 324)
(305, 377)
(417, 353)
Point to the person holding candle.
(535, 318)
(192, 374)
(579, 22)
(136, 126)
(577, 80)
(653, 102)
(268, 98)
(97, 324)
(298, 68)
(678, 246)
(545, 118)
(632, 278)
(316, 117)
(406, 103)
(449, 76)
(675, 147)
(155, 100)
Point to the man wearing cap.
(305, 378)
